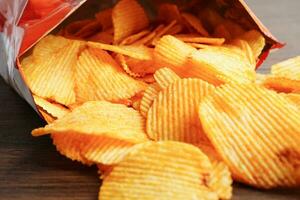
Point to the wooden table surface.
(31, 168)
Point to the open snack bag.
(163, 96)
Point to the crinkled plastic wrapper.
(25, 22)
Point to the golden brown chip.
(46, 116)
(173, 53)
(163, 32)
(254, 130)
(136, 67)
(189, 38)
(245, 47)
(147, 40)
(256, 41)
(288, 69)
(100, 132)
(294, 97)
(138, 52)
(147, 100)
(54, 109)
(102, 37)
(133, 38)
(281, 84)
(72, 29)
(128, 18)
(162, 170)
(48, 46)
(88, 30)
(220, 65)
(174, 113)
(53, 77)
(260, 78)
(165, 77)
(221, 181)
(195, 23)
(99, 77)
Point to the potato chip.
(289, 68)
(137, 68)
(281, 84)
(252, 128)
(54, 109)
(48, 46)
(168, 12)
(221, 181)
(147, 100)
(174, 112)
(220, 65)
(199, 46)
(245, 47)
(294, 98)
(173, 53)
(147, 40)
(133, 38)
(53, 78)
(99, 77)
(128, 18)
(260, 78)
(195, 23)
(69, 144)
(201, 40)
(46, 116)
(163, 32)
(100, 132)
(162, 170)
(165, 77)
(138, 52)
(102, 37)
(176, 29)
(122, 60)
(256, 41)
(88, 30)
(104, 17)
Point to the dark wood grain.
(31, 168)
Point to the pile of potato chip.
(170, 108)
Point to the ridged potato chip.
(54, 109)
(281, 84)
(220, 65)
(173, 53)
(99, 77)
(221, 181)
(138, 52)
(165, 77)
(174, 112)
(163, 32)
(102, 37)
(99, 132)
(294, 98)
(245, 47)
(162, 170)
(201, 40)
(133, 38)
(256, 41)
(256, 133)
(54, 77)
(128, 17)
(288, 69)
(147, 100)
